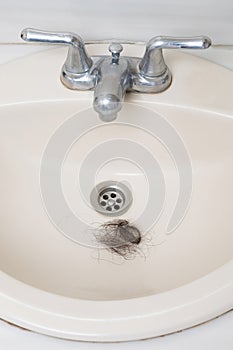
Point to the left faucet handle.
(77, 61)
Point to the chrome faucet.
(113, 80)
(112, 76)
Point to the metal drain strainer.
(111, 198)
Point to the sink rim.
(131, 319)
(121, 320)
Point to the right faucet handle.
(152, 63)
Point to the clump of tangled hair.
(119, 237)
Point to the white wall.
(121, 19)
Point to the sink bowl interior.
(32, 250)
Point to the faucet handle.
(152, 63)
(77, 61)
(169, 42)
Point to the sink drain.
(111, 198)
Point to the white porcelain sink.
(59, 283)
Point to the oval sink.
(170, 156)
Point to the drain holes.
(111, 198)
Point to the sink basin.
(172, 150)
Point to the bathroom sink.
(172, 151)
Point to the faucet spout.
(112, 82)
